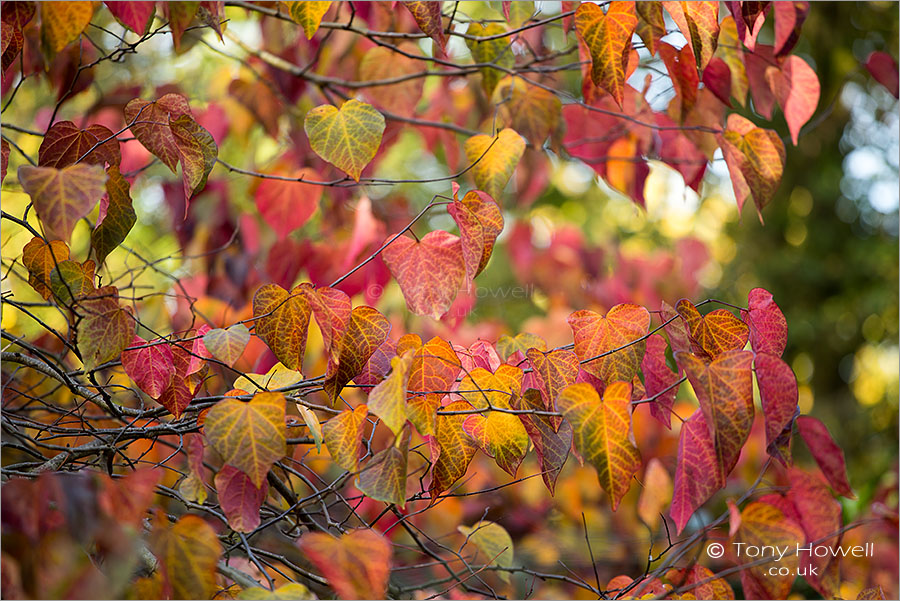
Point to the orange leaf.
(699, 23)
(764, 524)
(494, 159)
(608, 38)
(656, 493)
(357, 565)
(597, 338)
(500, 435)
(428, 18)
(62, 23)
(602, 433)
(105, 328)
(248, 435)
(724, 389)
(188, 553)
(282, 321)
(62, 197)
(385, 64)
(755, 159)
(456, 449)
(343, 436)
(716, 332)
(532, 111)
(556, 370)
(480, 222)
(40, 259)
(367, 330)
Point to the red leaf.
(136, 16)
(239, 498)
(480, 222)
(749, 18)
(658, 377)
(755, 159)
(552, 438)
(796, 88)
(332, 309)
(778, 396)
(820, 516)
(697, 476)
(428, 18)
(826, 452)
(789, 17)
(151, 367)
(357, 565)
(65, 144)
(149, 122)
(768, 327)
(429, 272)
(286, 205)
(883, 68)
(757, 63)
(717, 77)
(608, 38)
(4, 157)
(613, 337)
(15, 16)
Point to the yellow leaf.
(343, 435)
(494, 544)
(188, 553)
(608, 38)
(308, 15)
(495, 159)
(62, 23)
(527, 108)
(497, 51)
(347, 138)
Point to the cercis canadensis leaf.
(699, 22)
(136, 16)
(697, 473)
(357, 565)
(62, 23)
(493, 542)
(608, 38)
(105, 328)
(119, 219)
(430, 271)
(149, 122)
(602, 433)
(388, 399)
(768, 327)
(62, 197)
(40, 258)
(308, 14)
(428, 18)
(188, 552)
(383, 478)
(240, 498)
(494, 159)
(227, 345)
(716, 332)
(282, 321)
(366, 331)
(348, 137)
(249, 435)
(480, 222)
(490, 50)
(610, 347)
(67, 144)
(287, 205)
(343, 436)
(778, 396)
(755, 159)
(826, 452)
(150, 365)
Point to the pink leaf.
(827, 454)
(151, 367)
(696, 471)
(239, 498)
(287, 205)
(796, 88)
(136, 16)
(778, 396)
(883, 68)
(768, 327)
(658, 377)
(789, 17)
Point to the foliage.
(348, 457)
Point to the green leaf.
(497, 51)
(494, 544)
(120, 216)
(384, 477)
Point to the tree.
(289, 390)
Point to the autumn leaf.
(716, 332)
(606, 346)
(150, 366)
(105, 328)
(501, 436)
(357, 565)
(367, 330)
(388, 399)
(428, 18)
(701, 582)
(62, 197)
(768, 327)
(828, 455)
(651, 26)
(434, 368)
(384, 477)
(40, 258)
(530, 110)
(14, 19)
(197, 152)
(149, 122)
(239, 498)
(180, 16)
(730, 53)
(71, 280)
(248, 435)
(555, 370)
(343, 436)
(778, 396)
(282, 321)
(119, 219)
(332, 309)
(193, 486)
(551, 437)
(430, 271)
(136, 16)
(494, 544)
(608, 38)
(4, 159)
(724, 389)
(658, 378)
(656, 493)
(493, 50)
(796, 88)
(312, 422)
(67, 144)
(308, 14)
(764, 524)
(384, 64)
(188, 553)
(697, 473)
(285, 205)
(347, 138)
(508, 345)
(62, 23)
(699, 22)
(789, 18)
(287, 592)
(602, 433)
(820, 516)
(456, 449)
(494, 159)
(883, 69)
(227, 345)
(755, 159)
(480, 222)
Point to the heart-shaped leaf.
(658, 378)
(763, 524)
(699, 22)
(494, 159)
(532, 111)
(492, 50)
(494, 544)
(826, 452)
(366, 331)
(343, 436)
(716, 332)
(149, 122)
(188, 553)
(428, 18)
(768, 327)
(606, 345)
(71, 280)
(430, 271)
(608, 38)
(357, 565)
(239, 498)
(796, 88)
(602, 433)
(552, 437)
(227, 345)
(119, 219)
(384, 476)
(62, 23)
(455, 449)
(151, 366)
(388, 399)
(40, 258)
(105, 329)
(63, 196)
(347, 138)
(282, 321)
(778, 396)
(248, 435)
(697, 473)
(285, 205)
(755, 159)
(197, 152)
(136, 16)
(66, 144)
(480, 222)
